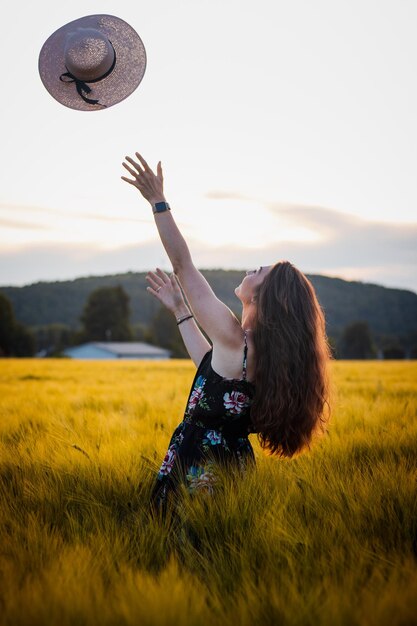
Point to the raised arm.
(166, 289)
(215, 318)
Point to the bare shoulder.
(216, 319)
(227, 358)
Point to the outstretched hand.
(166, 289)
(151, 186)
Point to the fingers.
(153, 283)
(154, 292)
(162, 275)
(157, 280)
(129, 169)
(132, 182)
(135, 165)
(154, 280)
(142, 160)
(143, 177)
(135, 175)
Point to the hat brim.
(118, 85)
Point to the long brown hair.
(292, 354)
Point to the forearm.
(194, 340)
(151, 188)
(174, 243)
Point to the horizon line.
(202, 269)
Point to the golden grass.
(327, 538)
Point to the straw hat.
(92, 63)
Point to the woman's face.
(250, 284)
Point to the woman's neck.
(248, 317)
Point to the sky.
(286, 130)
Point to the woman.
(265, 375)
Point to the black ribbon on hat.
(82, 86)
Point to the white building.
(117, 350)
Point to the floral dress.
(214, 430)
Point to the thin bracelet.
(178, 319)
(183, 319)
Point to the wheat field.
(329, 537)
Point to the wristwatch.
(160, 207)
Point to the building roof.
(128, 348)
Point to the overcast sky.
(286, 130)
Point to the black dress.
(214, 430)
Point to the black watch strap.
(160, 207)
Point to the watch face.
(161, 206)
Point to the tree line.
(388, 311)
(106, 317)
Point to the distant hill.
(387, 311)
